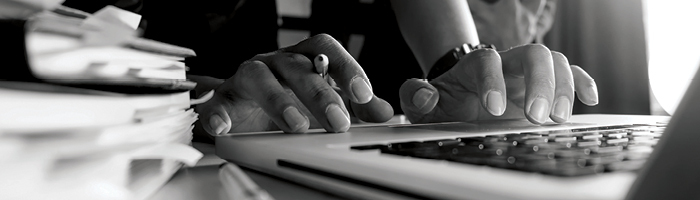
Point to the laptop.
(593, 156)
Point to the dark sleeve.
(13, 51)
(334, 17)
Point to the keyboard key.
(606, 150)
(644, 133)
(573, 171)
(622, 141)
(368, 147)
(445, 143)
(601, 159)
(630, 165)
(523, 149)
(507, 162)
(534, 162)
(563, 139)
(471, 140)
(572, 153)
(616, 135)
(590, 136)
(643, 142)
(588, 143)
(555, 133)
(439, 154)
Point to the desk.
(202, 182)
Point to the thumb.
(418, 97)
(376, 110)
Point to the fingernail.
(361, 90)
(337, 118)
(594, 96)
(217, 124)
(539, 110)
(421, 97)
(295, 120)
(562, 109)
(495, 103)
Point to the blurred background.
(640, 52)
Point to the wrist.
(447, 61)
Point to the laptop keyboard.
(567, 152)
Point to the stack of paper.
(107, 117)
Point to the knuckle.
(566, 84)
(275, 97)
(537, 49)
(322, 38)
(293, 61)
(483, 60)
(325, 42)
(319, 93)
(490, 77)
(262, 56)
(486, 54)
(250, 69)
(558, 54)
(547, 84)
(296, 59)
(559, 57)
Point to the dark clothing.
(385, 56)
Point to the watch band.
(445, 63)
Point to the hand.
(19, 9)
(280, 90)
(528, 81)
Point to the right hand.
(527, 81)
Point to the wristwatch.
(452, 57)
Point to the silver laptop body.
(363, 164)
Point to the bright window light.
(673, 48)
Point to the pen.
(238, 185)
(321, 65)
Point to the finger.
(343, 68)
(564, 94)
(585, 86)
(376, 110)
(217, 122)
(534, 63)
(483, 67)
(418, 97)
(313, 91)
(259, 83)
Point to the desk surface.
(202, 182)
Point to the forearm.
(431, 28)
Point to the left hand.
(280, 91)
(528, 81)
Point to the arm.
(431, 28)
(525, 81)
